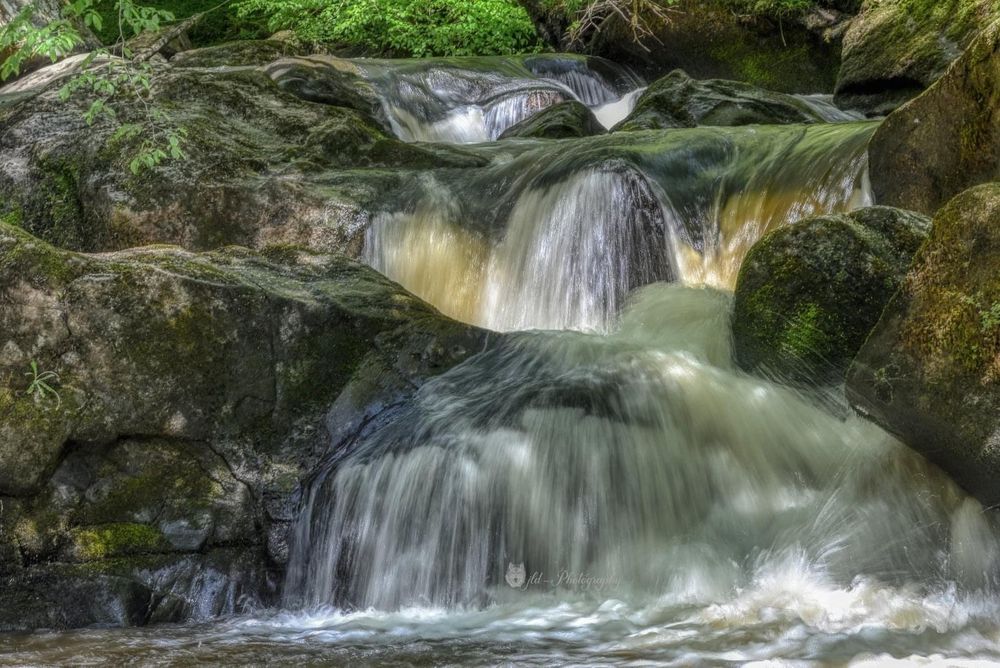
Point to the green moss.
(808, 295)
(804, 334)
(116, 540)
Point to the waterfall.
(471, 100)
(556, 237)
(639, 463)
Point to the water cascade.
(622, 490)
(555, 235)
(642, 463)
(601, 484)
(469, 100)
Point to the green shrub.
(417, 28)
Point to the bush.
(416, 28)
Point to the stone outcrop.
(946, 140)
(930, 371)
(894, 49)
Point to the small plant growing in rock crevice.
(40, 388)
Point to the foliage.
(40, 387)
(220, 23)
(106, 75)
(418, 28)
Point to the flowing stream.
(602, 485)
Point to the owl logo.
(515, 575)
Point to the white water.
(693, 513)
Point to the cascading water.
(621, 494)
(633, 495)
(474, 100)
(558, 235)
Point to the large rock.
(192, 396)
(930, 371)
(560, 121)
(808, 294)
(678, 101)
(895, 49)
(709, 40)
(948, 139)
(263, 165)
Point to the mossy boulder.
(189, 396)
(710, 41)
(930, 371)
(808, 294)
(259, 167)
(948, 139)
(560, 121)
(895, 49)
(678, 101)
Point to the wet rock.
(808, 294)
(895, 49)
(678, 101)
(930, 371)
(189, 396)
(948, 139)
(133, 591)
(567, 119)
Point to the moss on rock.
(93, 543)
(808, 294)
(895, 49)
(948, 139)
(930, 371)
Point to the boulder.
(162, 407)
(948, 139)
(930, 371)
(710, 41)
(678, 101)
(894, 49)
(263, 165)
(566, 119)
(808, 294)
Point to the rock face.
(566, 119)
(948, 139)
(808, 294)
(157, 478)
(895, 49)
(678, 101)
(264, 166)
(930, 371)
(708, 40)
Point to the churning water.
(609, 488)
